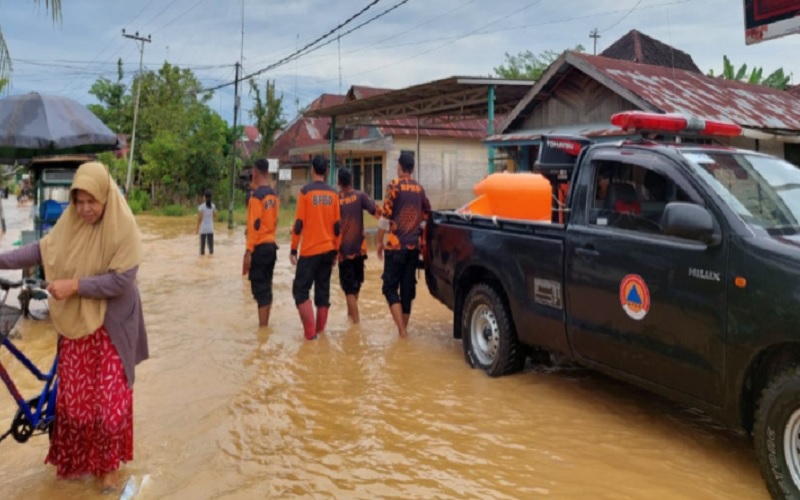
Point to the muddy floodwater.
(225, 410)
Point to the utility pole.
(233, 149)
(594, 34)
(140, 41)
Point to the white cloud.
(418, 42)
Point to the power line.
(368, 21)
(296, 53)
(148, 23)
(623, 17)
(71, 87)
(97, 70)
(184, 13)
(384, 40)
(498, 30)
(141, 12)
(473, 32)
(338, 38)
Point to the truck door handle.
(587, 251)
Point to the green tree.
(115, 108)
(3, 84)
(528, 66)
(180, 140)
(231, 135)
(53, 7)
(267, 111)
(777, 79)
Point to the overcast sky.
(421, 40)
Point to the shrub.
(141, 199)
(136, 206)
(174, 211)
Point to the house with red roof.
(249, 143)
(453, 157)
(578, 94)
(300, 133)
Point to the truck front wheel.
(488, 336)
(776, 435)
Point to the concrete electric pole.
(594, 34)
(140, 41)
(233, 150)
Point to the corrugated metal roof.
(364, 92)
(304, 132)
(635, 46)
(463, 129)
(456, 96)
(678, 91)
(529, 136)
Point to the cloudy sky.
(420, 40)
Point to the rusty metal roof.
(524, 137)
(304, 132)
(679, 91)
(454, 98)
(667, 90)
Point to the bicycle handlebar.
(33, 284)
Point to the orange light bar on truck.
(658, 122)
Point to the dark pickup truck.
(676, 268)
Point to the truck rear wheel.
(776, 435)
(488, 335)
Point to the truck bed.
(524, 259)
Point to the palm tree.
(52, 6)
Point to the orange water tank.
(524, 196)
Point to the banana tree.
(777, 79)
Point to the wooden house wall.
(576, 100)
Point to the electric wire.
(291, 56)
(623, 17)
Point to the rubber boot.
(306, 311)
(322, 318)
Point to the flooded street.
(225, 410)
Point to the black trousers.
(207, 238)
(399, 277)
(262, 266)
(351, 275)
(314, 270)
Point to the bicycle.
(35, 415)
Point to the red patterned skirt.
(94, 409)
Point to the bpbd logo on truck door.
(634, 296)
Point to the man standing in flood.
(261, 253)
(404, 210)
(353, 249)
(317, 225)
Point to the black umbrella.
(35, 124)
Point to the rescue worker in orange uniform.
(405, 208)
(262, 252)
(353, 250)
(317, 225)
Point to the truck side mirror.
(689, 221)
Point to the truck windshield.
(764, 191)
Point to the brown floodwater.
(226, 410)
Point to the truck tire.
(776, 434)
(488, 335)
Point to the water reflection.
(225, 410)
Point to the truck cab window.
(631, 197)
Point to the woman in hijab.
(90, 259)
